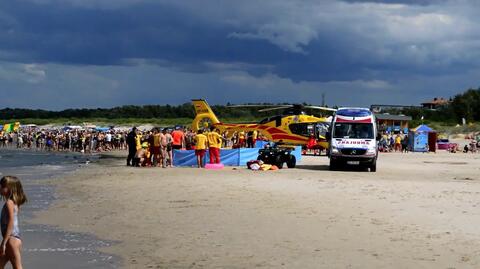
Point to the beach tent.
(422, 128)
(423, 139)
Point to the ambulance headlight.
(371, 151)
(334, 149)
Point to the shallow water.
(46, 246)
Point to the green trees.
(465, 105)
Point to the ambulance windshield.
(353, 130)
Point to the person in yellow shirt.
(398, 143)
(241, 139)
(200, 147)
(156, 147)
(138, 141)
(214, 145)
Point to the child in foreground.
(12, 193)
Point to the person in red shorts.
(156, 147)
(214, 145)
(200, 147)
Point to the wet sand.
(46, 246)
(418, 211)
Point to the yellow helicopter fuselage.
(282, 129)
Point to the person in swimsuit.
(10, 248)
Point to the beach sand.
(418, 211)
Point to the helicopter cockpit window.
(304, 129)
(309, 129)
(322, 129)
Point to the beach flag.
(7, 128)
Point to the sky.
(58, 54)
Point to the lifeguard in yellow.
(241, 139)
(138, 141)
(200, 147)
(214, 145)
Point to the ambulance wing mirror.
(379, 136)
(328, 135)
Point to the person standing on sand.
(132, 145)
(178, 138)
(10, 249)
(169, 139)
(163, 148)
(398, 143)
(200, 147)
(214, 144)
(156, 147)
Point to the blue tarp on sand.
(229, 157)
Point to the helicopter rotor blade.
(321, 108)
(234, 106)
(274, 108)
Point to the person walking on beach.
(132, 145)
(214, 144)
(10, 249)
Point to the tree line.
(130, 111)
(465, 105)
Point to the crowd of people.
(65, 140)
(394, 143)
(155, 148)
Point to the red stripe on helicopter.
(273, 130)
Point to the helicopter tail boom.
(204, 115)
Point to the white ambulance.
(353, 139)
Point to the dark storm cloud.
(79, 35)
(311, 42)
(365, 45)
(406, 2)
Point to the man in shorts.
(156, 147)
(163, 148)
(200, 147)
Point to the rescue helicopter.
(292, 127)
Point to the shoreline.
(48, 246)
(293, 218)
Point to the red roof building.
(435, 103)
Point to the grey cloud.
(367, 46)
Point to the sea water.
(46, 246)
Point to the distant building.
(392, 123)
(435, 103)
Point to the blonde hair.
(16, 190)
